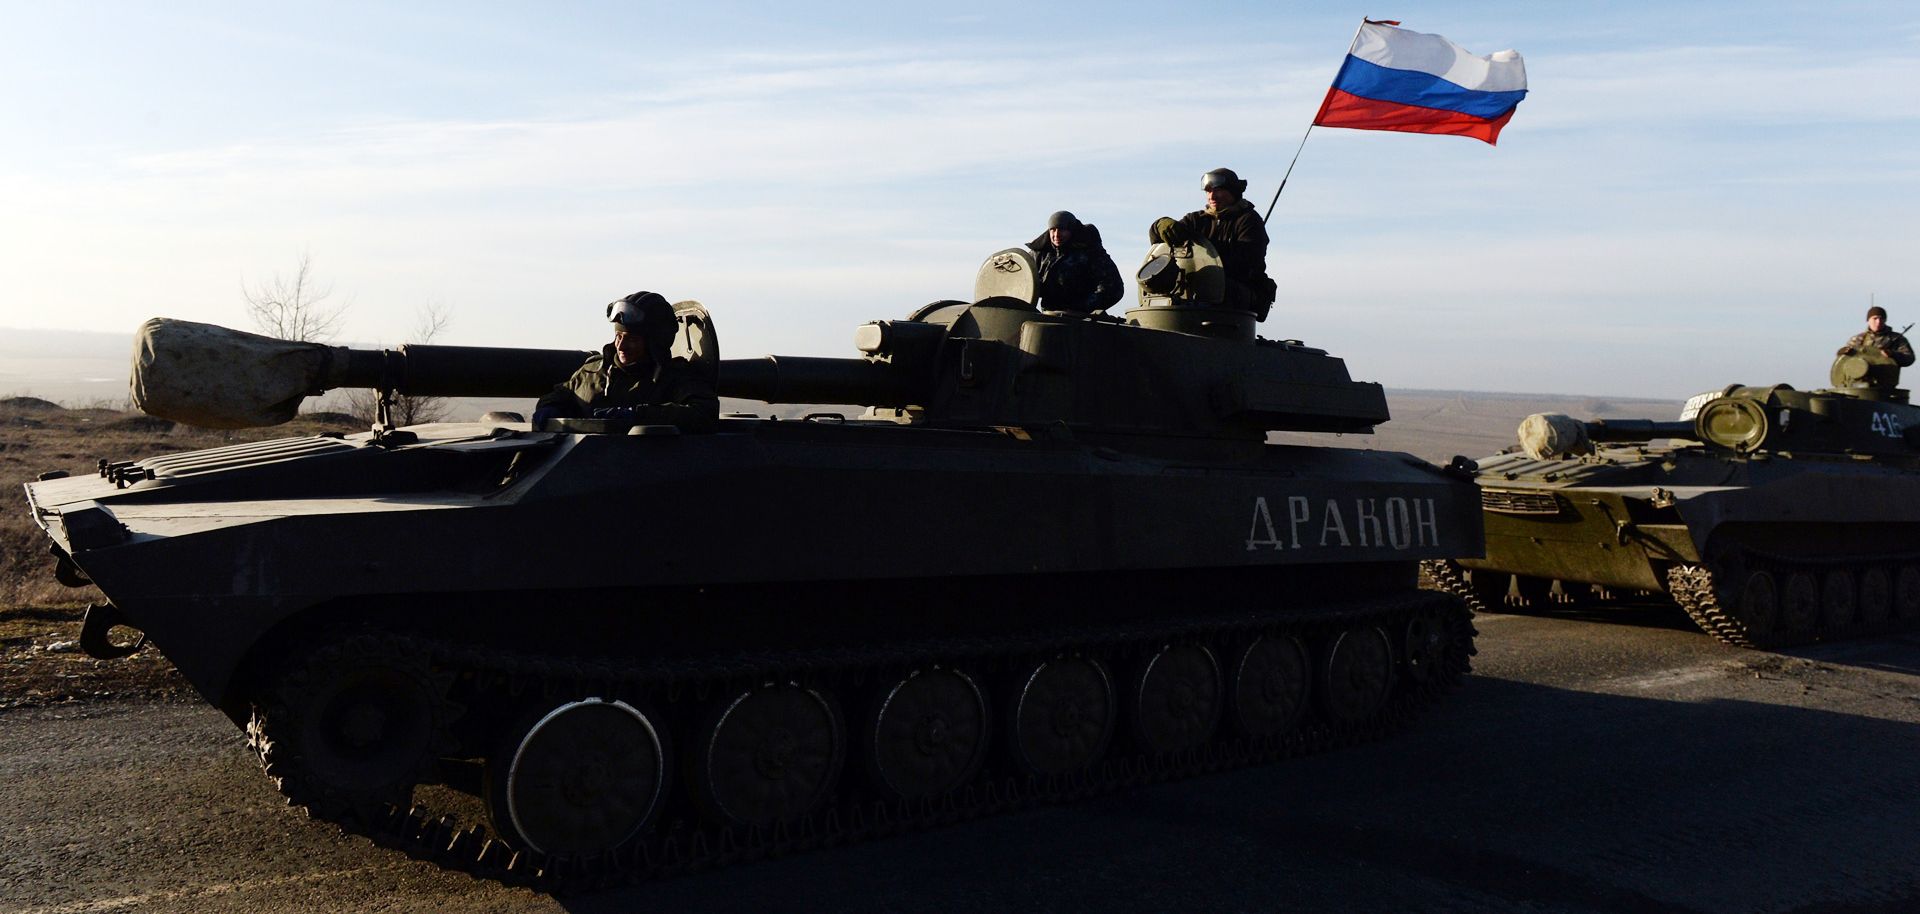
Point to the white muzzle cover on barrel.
(213, 377)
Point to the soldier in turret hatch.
(635, 380)
(1237, 232)
(1076, 273)
(1890, 343)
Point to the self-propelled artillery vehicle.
(1056, 553)
(1773, 516)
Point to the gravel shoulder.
(41, 664)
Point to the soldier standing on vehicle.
(1890, 343)
(1076, 273)
(1236, 230)
(635, 379)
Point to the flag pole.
(1303, 137)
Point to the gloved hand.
(1168, 231)
(616, 413)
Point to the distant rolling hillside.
(86, 369)
(1437, 424)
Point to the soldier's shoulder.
(592, 366)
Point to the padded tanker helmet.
(650, 315)
(642, 312)
(1223, 177)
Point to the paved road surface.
(1631, 766)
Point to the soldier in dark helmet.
(1076, 273)
(1877, 336)
(635, 380)
(1236, 230)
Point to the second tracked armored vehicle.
(1773, 516)
(1056, 553)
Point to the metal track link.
(486, 673)
(1692, 586)
(1446, 575)
(1698, 590)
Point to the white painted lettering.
(1333, 524)
(1427, 521)
(1261, 533)
(1399, 529)
(1367, 520)
(1297, 512)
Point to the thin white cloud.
(803, 193)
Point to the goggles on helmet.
(634, 311)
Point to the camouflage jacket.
(675, 395)
(1240, 236)
(1893, 342)
(1082, 277)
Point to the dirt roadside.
(41, 664)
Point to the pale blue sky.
(1689, 197)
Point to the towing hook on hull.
(65, 571)
(100, 619)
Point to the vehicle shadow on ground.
(1511, 797)
(1889, 654)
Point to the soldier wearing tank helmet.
(1076, 273)
(1877, 336)
(635, 379)
(1236, 230)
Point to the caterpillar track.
(1449, 577)
(471, 697)
(1756, 600)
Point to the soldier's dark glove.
(616, 413)
(1168, 231)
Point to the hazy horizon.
(1691, 193)
(98, 370)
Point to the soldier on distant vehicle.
(1890, 343)
(635, 379)
(1076, 273)
(1236, 230)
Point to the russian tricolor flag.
(1394, 79)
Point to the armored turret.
(1773, 516)
(1175, 367)
(1748, 420)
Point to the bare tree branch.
(294, 307)
(431, 320)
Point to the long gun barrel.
(207, 375)
(454, 371)
(1637, 429)
(215, 377)
(802, 379)
(1551, 436)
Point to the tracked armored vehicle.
(1054, 554)
(1773, 516)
